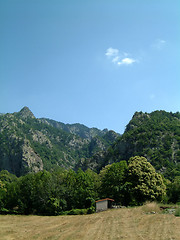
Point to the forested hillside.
(29, 144)
(68, 192)
(155, 136)
(63, 169)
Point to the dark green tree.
(173, 191)
(3, 191)
(113, 182)
(8, 190)
(36, 193)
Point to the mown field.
(130, 224)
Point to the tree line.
(69, 192)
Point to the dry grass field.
(129, 224)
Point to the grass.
(126, 223)
(151, 207)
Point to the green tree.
(113, 182)
(3, 191)
(8, 190)
(84, 189)
(39, 194)
(173, 191)
(80, 188)
(144, 183)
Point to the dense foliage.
(113, 179)
(144, 182)
(66, 191)
(156, 136)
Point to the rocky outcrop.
(41, 138)
(25, 113)
(31, 162)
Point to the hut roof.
(105, 199)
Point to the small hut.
(104, 204)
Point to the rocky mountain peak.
(25, 112)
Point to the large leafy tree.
(37, 195)
(81, 188)
(113, 181)
(144, 182)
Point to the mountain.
(77, 129)
(25, 113)
(155, 136)
(29, 144)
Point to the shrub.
(91, 210)
(177, 212)
(77, 212)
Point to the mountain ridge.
(155, 136)
(76, 128)
(32, 144)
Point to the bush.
(77, 212)
(91, 210)
(5, 211)
(177, 212)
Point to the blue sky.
(95, 62)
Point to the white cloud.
(159, 44)
(115, 59)
(111, 52)
(119, 59)
(127, 61)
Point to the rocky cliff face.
(16, 155)
(30, 161)
(29, 145)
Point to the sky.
(94, 62)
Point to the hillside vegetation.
(63, 169)
(29, 144)
(155, 136)
(68, 192)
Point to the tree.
(113, 181)
(144, 183)
(173, 190)
(8, 190)
(84, 189)
(2, 194)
